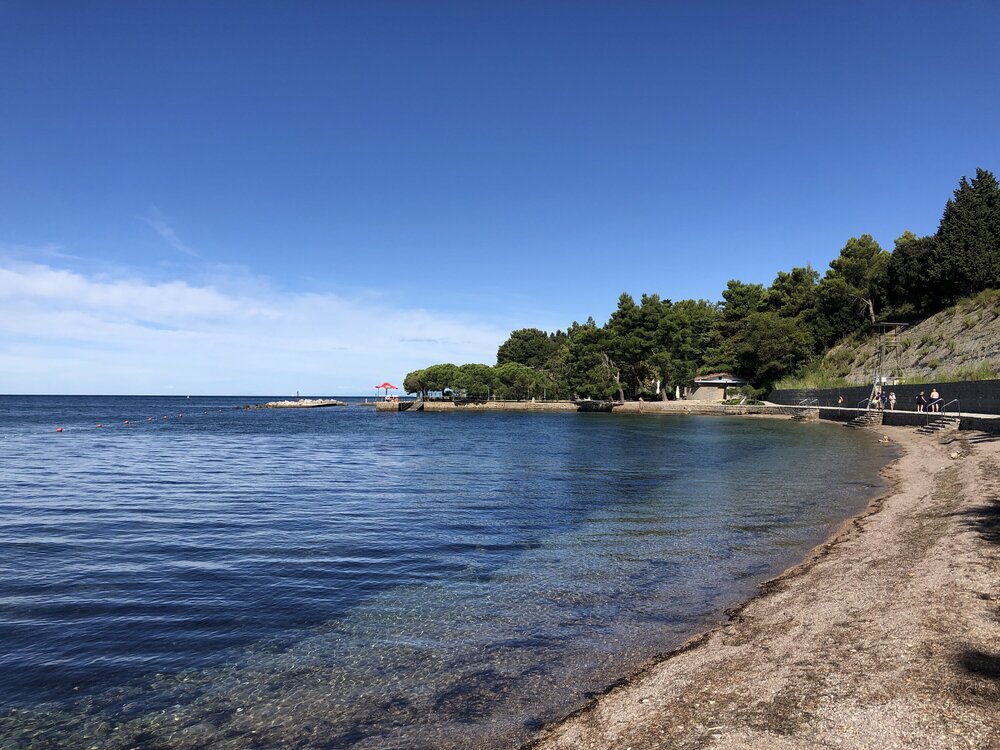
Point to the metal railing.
(930, 414)
(934, 407)
(809, 402)
(866, 402)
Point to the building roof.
(720, 378)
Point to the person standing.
(921, 401)
(892, 401)
(935, 399)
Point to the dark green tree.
(589, 370)
(968, 239)
(515, 381)
(792, 293)
(416, 382)
(528, 346)
(476, 380)
(440, 377)
(769, 347)
(694, 325)
(739, 300)
(629, 343)
(912, 268)
(841, 310)
(862, 266)
(555, 383)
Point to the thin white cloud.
(54, 251)
(168, 233)
(62, 331)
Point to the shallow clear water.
(339, 578)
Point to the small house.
(713, 387)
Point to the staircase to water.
(939, 425)
(867, 419)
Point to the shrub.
(982, 371)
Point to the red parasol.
(389, 386)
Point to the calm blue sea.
(212, 577)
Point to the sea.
(189, 573)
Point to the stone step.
(867, 419)
(941, 424)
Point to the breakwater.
(303, 403)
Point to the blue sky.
(246, 197)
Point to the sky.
(270, 198)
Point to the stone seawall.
(690, 408)
(889, 418)
(912, 419)
(554, 406)
(628, 407)
(699, 407)
(977, 397)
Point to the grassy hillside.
(960, 343)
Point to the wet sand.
(888, 636)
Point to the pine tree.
(968, 239)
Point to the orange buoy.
(59, 429)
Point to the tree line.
(650, 347)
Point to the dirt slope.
(960, 343)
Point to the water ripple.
(337, 578)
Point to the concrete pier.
(393, 406)
(303, 403)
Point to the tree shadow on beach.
(984, 519)
(985, 437)
(980, 664)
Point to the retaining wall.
(890, 418)
(976, 397)
(983, 424)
